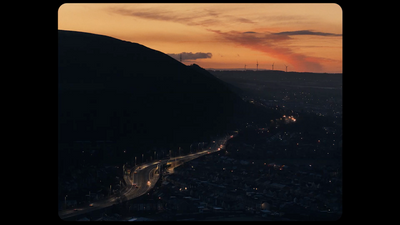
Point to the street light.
(65, 204)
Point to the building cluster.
(218, 185)
(301, 101)
(320, 94)
(87, 184)
(271, 143)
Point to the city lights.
(288, 119)
(131, 97)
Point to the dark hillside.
(133, 95)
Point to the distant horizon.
(304, 37)
(260, 70)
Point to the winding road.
(144, 176)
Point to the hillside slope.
(125, 92)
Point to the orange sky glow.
(305, 37)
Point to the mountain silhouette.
(109, 89)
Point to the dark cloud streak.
(305, 32)
(201, 18)
(187, 56)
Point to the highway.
(144, 176)
(141, 179)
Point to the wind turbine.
(257, 65)
(272, 66)
(286, 67)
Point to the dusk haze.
(305, 37)
(199, 112)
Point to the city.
(199, 112)
(235, 180)
(289, 168)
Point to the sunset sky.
(305, 37)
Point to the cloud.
(205, 17)
(305, 32)
(269, 43)
(188, 56)
(243, 20)
(147, 13)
